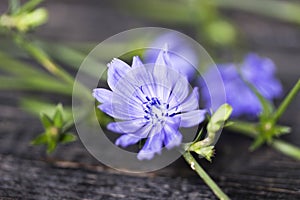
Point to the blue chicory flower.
(151, 102)
(260, 72)
(181, 54)
(257, 71)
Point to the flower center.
(155, 110)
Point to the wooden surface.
(71, 173)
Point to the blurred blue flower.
(151, 102)
(257, 71)
(182, 56)
(260, 72)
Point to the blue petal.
(138, 82)
(161, 75)
(126, 126)
(119, 111)
(102, 95)
(127, 139)
(132, 138)
(192, 118)
(116, 70)
(179, 92)
(260, 72)
(136, 62)
(172, 137)
(191, 103)
(153, 145)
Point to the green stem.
(43, 59)
(205, 177)
(286, 148)
(286, 102)
(40, 56)
(248, 129)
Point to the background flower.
(152, 102)
(257, 71)
(260, 72)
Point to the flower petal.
(161, 75)
(191, 118)
(127, 139)
(153, 145)
(132, 138)
(172, 137)
(102, 95)
(136, 62)
(126, 126)
(138, 82)
(179, 91)
(191, 103)
(119, 111)
(116, 70)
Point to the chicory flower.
(256, 71)
(150, 103)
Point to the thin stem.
(40, 56)
(286, 102)
(205, 177)
(246, 128)
(286, 148)
(43, 59)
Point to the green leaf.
(28, 83)
(11, 65)
(26, 21)
(199, 135)
(67, 138)
(287, 148)
(29, 6)
(40, 139)
(218, 118)
(51, 145)
(73, 58)
(259, 141)
(14, 6)
(58, 119)
(206, 152)
(46, 121)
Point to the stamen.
(173, 114)
(155, 110)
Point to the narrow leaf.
(14, 6)
(40, 139)
(67, 138)
(29, 5)
(58, 116)
(47, 122)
